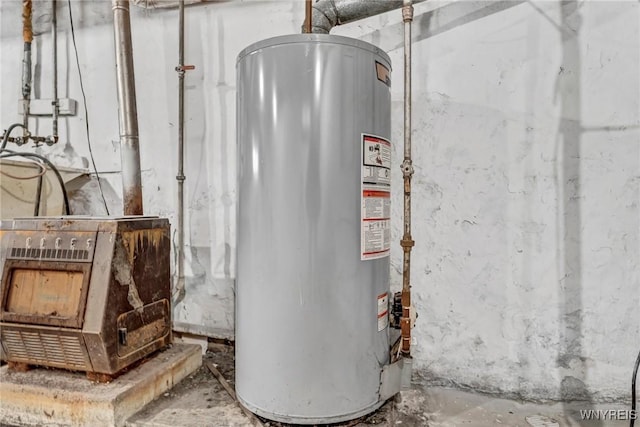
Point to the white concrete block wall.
(526, 269)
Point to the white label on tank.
(376, 198)
(383, 311)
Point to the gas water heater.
(312, 297)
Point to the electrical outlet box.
(44, 107)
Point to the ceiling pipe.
(330, 13)
(127, 112)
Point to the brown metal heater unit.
(83, 293)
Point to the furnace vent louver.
(49, 254)
(46, 348)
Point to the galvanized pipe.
(180, 287)
(27, 35)
(127, 112)
(329, 13)
(165, 4)
(407, 171)
(54, 49)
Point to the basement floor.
(200, 400)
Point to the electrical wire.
(8, 153)
(36, 208)
(39, 175)
(86, 111)
(39, 163)
(43, 170)
(634, 414)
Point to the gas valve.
(396, 311)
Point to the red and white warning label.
(376, 160)
(376, 197)
(383, 311)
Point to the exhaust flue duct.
(127, 112)
(329, 13)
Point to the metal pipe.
(54, 41)
(308, 12)
(27, 35)
(180, 286)
(127, 112)
(329, 13)
(407, 171)
(166, 4)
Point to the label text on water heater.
(376, 198)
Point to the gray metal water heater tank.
(313, 120)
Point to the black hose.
(7, 133)
(10, 153)
(36, 208)
(632, 418)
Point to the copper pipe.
(407, 171)
(27, 35)
(27, 28)
(308, 15)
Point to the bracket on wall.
(42, 107)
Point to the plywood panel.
(44, 292)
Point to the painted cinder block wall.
(526, 269)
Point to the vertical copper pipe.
(308, 13)
(407, 172)
(27, 28)
(27, 35)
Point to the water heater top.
(312, 38)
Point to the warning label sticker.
(376, 197)
(383, 311)
(376, 160)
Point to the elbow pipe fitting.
(327, 14)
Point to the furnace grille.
(35, 347)
(50, 254)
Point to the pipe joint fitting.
(182, 68)
(181, 178)
(50, 140)
(19, 140)
(407, 168)
(26, 90)
(407, 12)
(407, 243)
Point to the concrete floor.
(200, 400)
(55, 397)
